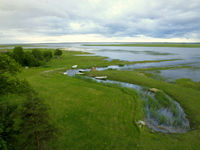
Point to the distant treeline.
(34, 57)
(25, 122)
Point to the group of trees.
(57, 53)
(26, 125)
(33, 58)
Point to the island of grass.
(92, 115)
(162, 68)
(189, 45)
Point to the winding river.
(165, 119)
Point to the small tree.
(47, 55)
(30, 60)
(33, 129)
(7, 64)
(36, 129)
(37, 54)
(58, 52)
(7, 130)
(9, 83)
(8, 70)
(18, 55)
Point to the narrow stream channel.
(163, 114)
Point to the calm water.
(189, 56)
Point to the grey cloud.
(155, 18)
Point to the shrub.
(37, 54)
(35, 127)
(18, 55)
(28, 125)
(7, 64)
(30, 60)
(58, 52)
(8, 69)
(47, 55)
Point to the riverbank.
(91, 115)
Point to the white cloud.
(30, 20)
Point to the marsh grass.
(155, 102)
(188, 83)
(154, 75)
(95, 116)
(126, 90)
(187, 97)
(162, 68)
(161, 101)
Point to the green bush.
(58, 52)
(26, 125)
(7, 64)
(18, 54)
(47, 55)
(37, 54)
(8, 69)
(32, 58)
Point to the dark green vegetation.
(24, 122)
(91, 115)
(58, 52)
(35, 130)
(150, 45)
(31, 58)
(188, 83)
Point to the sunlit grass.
(92, 115)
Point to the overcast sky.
(99, 20)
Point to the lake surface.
(188, 56)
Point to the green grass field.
(92, 115)
(187, 97)
(150, 45)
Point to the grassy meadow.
(187, 97)
(92, 115)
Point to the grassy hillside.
(91, 115)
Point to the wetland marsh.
(96, 114)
